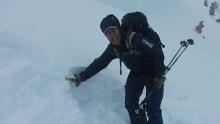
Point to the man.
(146, 64)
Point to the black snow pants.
(133, 90)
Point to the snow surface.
(41, 40)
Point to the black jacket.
(144, 56)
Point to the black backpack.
(137, 22)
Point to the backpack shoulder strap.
(129, 46)
(129, 39)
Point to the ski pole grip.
(183, 43)
(190, 42)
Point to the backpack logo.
(147, 43)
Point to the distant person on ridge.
(145, 59)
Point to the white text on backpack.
(147, 43)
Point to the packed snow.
(42, 41)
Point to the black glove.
(74, 78)
(159, 81)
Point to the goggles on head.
(110, 29)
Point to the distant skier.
(144, 58)
(218, 20)
(206, 3)
(212, 9)
(199, 27)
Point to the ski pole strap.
(120, 63)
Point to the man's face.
(113, 35)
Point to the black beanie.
(109, 20)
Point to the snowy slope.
(32, 93)
(40, 41)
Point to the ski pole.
(175, 54)
(183, 44)
(170, 65)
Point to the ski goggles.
(110, 29)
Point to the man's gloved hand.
(159, 82)
(74, 78)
